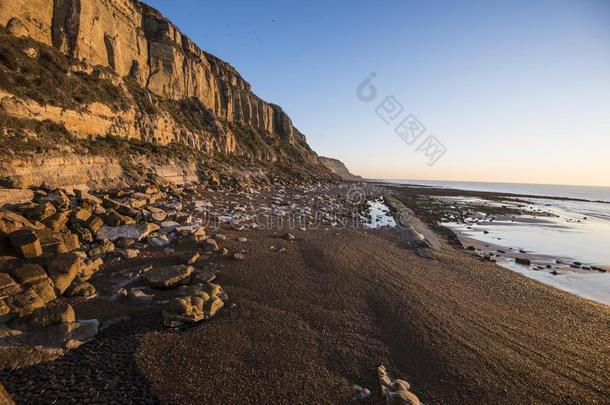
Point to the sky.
(494, 91)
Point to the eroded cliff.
(118, 68)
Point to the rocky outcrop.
(338, 167)
(173, 90)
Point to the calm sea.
(544, 190)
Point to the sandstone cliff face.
(159, 71)
(338, 167)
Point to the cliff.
(101, 68)
(338, 167)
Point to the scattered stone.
(395, 392)
(205, 277)
(63, 270)
(220, 236)
(95, 224)
(289, 236)
(159, 241)
(157, 214)
(26, 243)
(137, 232)
(237, 256)
(128, 253)
(168, 276)
(242, 239)
(192, 258)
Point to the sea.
(578, 231)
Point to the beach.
(310, 317)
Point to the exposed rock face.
(168, 89)
(338, 167)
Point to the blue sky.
(515, 91)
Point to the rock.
(80, 215)
(15, 196)
(63, 270)
(137, 232)
(26, 243)
(159, 241)
(8, 286)
(212, 306)
(59, 199)
(156, 214)
(523, 261)
(80, 289)
(289, 236)
(168, 276)
(95, 224)
(10, 222)
(5, 398)
(168, 226)
(67, 335)
(242, 240)
(90, 268)
(205, 277)
(53, 314)
(220, 236)
(25, 303)
(191, 258)
(113, 218)
(237, 256)
(70, 242)
(45, 290)
(29, 274)
(128, 253)
(9, 263)
(199, 235)
(210, 245)
(85, 196)
(137, 296)
(395, 392)
(44, 211)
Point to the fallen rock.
(14, 196)
(168, 276)
(210, 245)
(137, 232)
(53, 314)
(63, 270)
(45, 289)
(90, 268)
(10, 222)
(26, 243)
(395, 392)
(25, 303)
(81, 289)
(8, 286)
(29, 273)
(5, 398)
(137, 296)
(237, 256)
(289, 236)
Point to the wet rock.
(63, 270)
(523, 261)
(29, 273)
(53, 314)
(136, 232)
(80, 289)
(26, 243)
(168, 276)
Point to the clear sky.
(516, 91)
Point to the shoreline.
(309, 317)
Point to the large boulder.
(168, 276)
(25, 303)
(10, 222)
(26, 243)
(63, 270)
(137, 232)
(44, 317)
(45, 289)
(29, 273)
